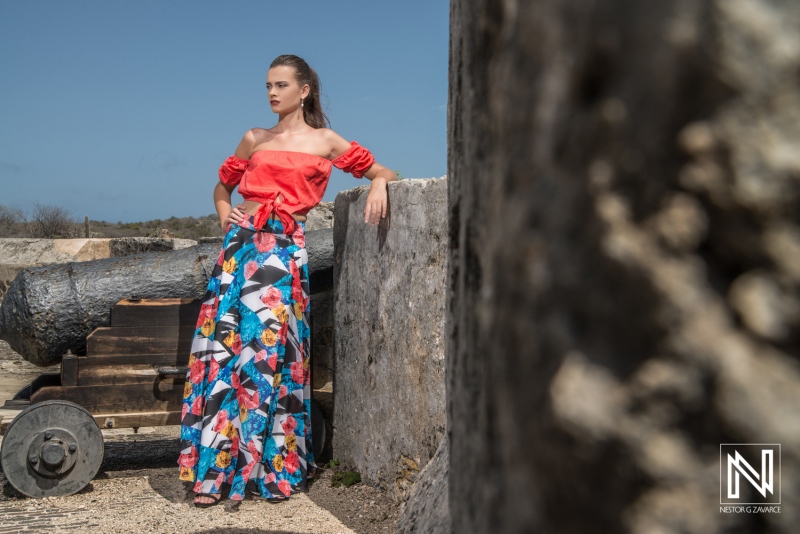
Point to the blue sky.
(124, 110)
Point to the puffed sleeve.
(232, 169)
(356, 160)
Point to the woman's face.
(283, 90)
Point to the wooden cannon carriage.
(133, 375)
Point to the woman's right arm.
(222, 192)
(222, 201)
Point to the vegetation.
(13, 222)
(342, 478)
(345, 478)
(55, 222)
(51, 222)
(178, 227)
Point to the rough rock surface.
(389, 299)
(127, 246)
(624, 261)
(49, 310)
(321, 216)
(426, 509)
(35, 251)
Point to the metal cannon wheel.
(52, 448)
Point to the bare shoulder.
(337, 144)
(251, 138)
(260, 135)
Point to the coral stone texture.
(624, 270)
(389, 298)
(426, 509)
(321, 216)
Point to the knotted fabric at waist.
(269, 206)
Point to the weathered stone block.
(30, 250)
(427, 508)
(321, 216)
(389, 316)
(127, 246)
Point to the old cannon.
(122, 329)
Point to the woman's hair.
(312, 109)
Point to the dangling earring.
(301, 102)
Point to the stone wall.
(389, 281)
(624, 290)
(320, 217)
(18, 253)
(427, 510)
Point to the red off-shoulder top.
(299, 177)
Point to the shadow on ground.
(246, 531)
(153, 455)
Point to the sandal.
(215, 498)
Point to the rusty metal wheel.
(52, 448)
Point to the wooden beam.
(156, 312)
(140, 339)
(133, 358)
(110, 369)
(119, 420)
(136, 420)
(163, 395)
(109, 376)
(69, 370)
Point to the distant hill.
(58, 224)
(179, 227)
(54, 222)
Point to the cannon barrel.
(50, 310)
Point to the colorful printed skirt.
(246, 420)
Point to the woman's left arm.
(377, 199)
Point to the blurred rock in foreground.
(624, 262)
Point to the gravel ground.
(137, 489)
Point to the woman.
(246, 420)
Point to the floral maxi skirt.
(246, 421)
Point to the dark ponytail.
(312, 109)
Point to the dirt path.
(137, 489)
